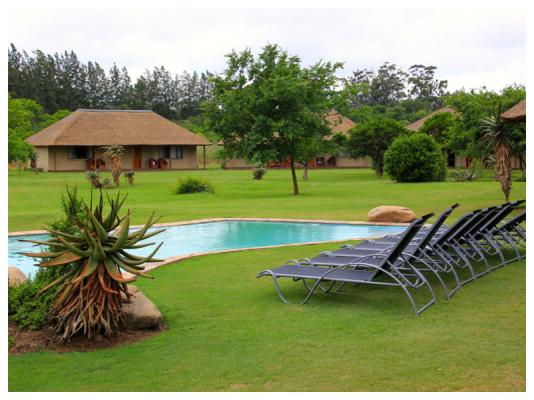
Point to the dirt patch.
(25, 341)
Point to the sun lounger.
(389, 268)
(417, 251)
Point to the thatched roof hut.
(339, 123)
(76, 142)
(415, 126)
(517, 113)
(124, 127)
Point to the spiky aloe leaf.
(63, 259)
(74, 249)
(122, 235)
(99, 229)
(44, 254)
(114, 272)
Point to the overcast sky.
(471, 48)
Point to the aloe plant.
(90, 294)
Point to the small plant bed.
(190, 185)
(26, 340)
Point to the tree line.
(61, 81)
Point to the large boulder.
(140, 312)
(391, 214)
(15, 276)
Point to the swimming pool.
(224, 235)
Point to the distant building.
(150, 141)
(339, 124)
(517, 113)
(453, 160)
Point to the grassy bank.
(339, 194)
(229, 331)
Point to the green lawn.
(229, 331)
(343, 194)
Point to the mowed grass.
(228, 331)
(338, 194)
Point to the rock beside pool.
(15, 276)
(391, 214)
(140, 312)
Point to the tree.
(25, 117)
(385, 86)
(97, 86)
(373, 139)
(119, 88)
(423, 85)
(497, 134)
(439, 127)
(269, 107)
(466, 136)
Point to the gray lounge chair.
(417, 251)
(385, 269)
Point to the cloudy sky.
(471, 48)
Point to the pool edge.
(207, 220)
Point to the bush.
(193, 185)
(415, 158)
(259, 172)
(467, 175)
(25, 305)
(94, 177)
(28, 307)
(129, 175)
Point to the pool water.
(224, 235)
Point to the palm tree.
(497, 136)
(114, 153)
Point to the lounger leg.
(320, 286)
(451, 270)
(435, 272)
(462, 257)
(279, 291)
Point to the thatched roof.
(339, 123)
(122, 127)
(415, 126)
(517, 113)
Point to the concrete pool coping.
(183, 257)
(207, 220)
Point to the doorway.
(136, 160)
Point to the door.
(136, 160)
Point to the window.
(451, 159)
(80, 153)
(175, 152)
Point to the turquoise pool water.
(225, 235)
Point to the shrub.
(415, 158)
(373, 138)
(94, 178)
(193, 185)
(258, 172)
(130, 176)
(25, 305)
(468, 175)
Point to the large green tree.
(26, 117)
(270, 108)
(372, 139)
